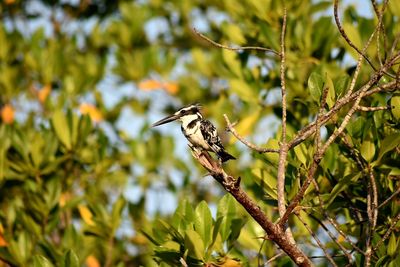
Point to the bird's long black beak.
(166, 120)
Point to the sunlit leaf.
(203, 222)
(392, 246)
(41, 261)
(194, 244)
(86, 214)
(389, 143)
(70, 259)
(61, 128)
(315, 85)
(367, 150)
(395, 103)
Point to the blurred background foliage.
(84, 181)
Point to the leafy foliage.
(84, 181)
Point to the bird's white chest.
(194, 135)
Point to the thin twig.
(317, 240)
(323, 209)
(372, 211)
(274, 258)
(354, 154)
(347, 39)
(257, 48)
(310, 129)
(282, 73)
(388, 232)
(183, 262)
(389, 198)
(259, 253)
(337, 228)
(245, 142)
(362, 108)
(382, 29)
(283, 149)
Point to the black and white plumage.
(201, 133)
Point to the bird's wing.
(210, 135)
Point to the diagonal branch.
(232, 186)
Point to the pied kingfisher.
(201, 133)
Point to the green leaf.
(341, 186)
(392, 246)
(117, 211)
(266, 181)
(315, 85)
(70, 259)
(381, 261)
(330, 99)
(395, 103)
(367, 150)
(60, 125)
(227, 211)
(341, 85)
(388, 144)
(41, 261)
(194, 244)
(301, 153)
(73, 125)
(216, 230)
(203, 222)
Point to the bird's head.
(187, 113)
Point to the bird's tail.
(225, 156)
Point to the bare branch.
(245, 142)
(239, 48)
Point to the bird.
(200, 133)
